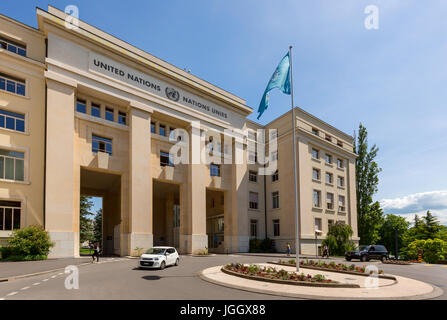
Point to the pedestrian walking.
(325, 251)
(289, 249)
(96, 251)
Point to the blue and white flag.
(280, 79)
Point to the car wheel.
(177, 262)
(384, 258)
(162, 265)
(363, 259)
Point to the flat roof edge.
(188, 78)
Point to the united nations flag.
(280, 79)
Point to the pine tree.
(431, 226)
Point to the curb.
(29, 275)
(436, 292)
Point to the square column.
(236, 236)
(140, 180)
(193, 235)
(62, 177)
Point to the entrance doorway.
(108, 187)
(215, 202)
(166, 214)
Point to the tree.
(97, 229)
(431, 226)
(85, 223)
(338, 239)
(387, 232)
(369, 214)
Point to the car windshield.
(155, 251)
(362, 248)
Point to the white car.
(159, 257)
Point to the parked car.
(159, 257)
(366, 253)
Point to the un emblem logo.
(172, 94)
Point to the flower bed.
(333, 267)
(398, 262)
(269, 274)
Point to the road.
(120, 279)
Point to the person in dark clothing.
(95, 252)
(326, 251)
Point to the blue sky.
(391, 79)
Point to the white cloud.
(418, 203)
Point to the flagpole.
(297, 233)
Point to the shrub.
(338, 239)
(28, 243)
(259, 246)
(433, 250)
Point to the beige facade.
(102, 118)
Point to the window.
(317, 199)
(9, 215)
(276, 230)
(214, 170)
(275, 176)
(330, 222)
(122, 117)
(11, 84)
(252, 156)
(315, 154)
(315, 174)
(81, 106)
(100, 144)
(109, 114)
(11, 120)
(252, 135)
(340, 163)
(12, 165)
(253, 176)
(253, 199)
(152, 127)
(328, 138)
(341, 204)
(96, 110)
(162, 130)
(341, 181)
(253, 228)
(275, 199)
(330, 201)
(328, 158)
(274, 155)
(315, 131)
(13, 46)
(166, 159)
(318, 224)
(339, 143)
(329, 178)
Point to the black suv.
(366, 253)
